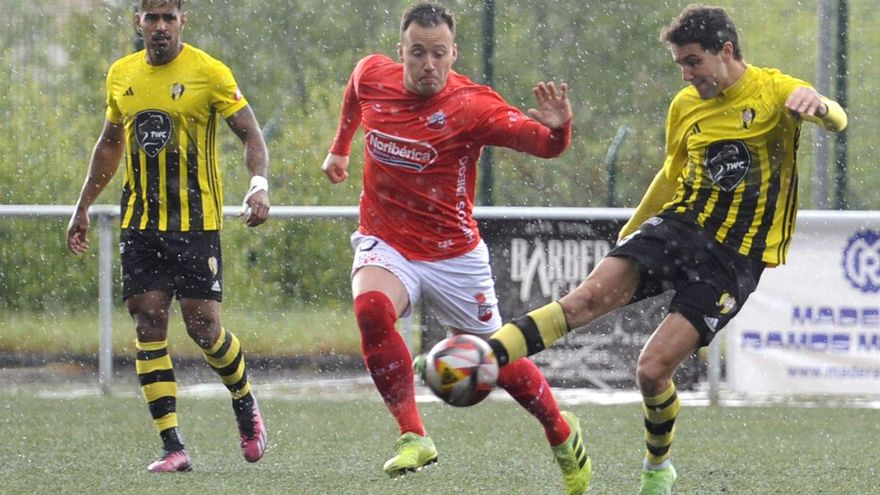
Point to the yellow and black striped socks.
(156, 377)
(227, 359)
(529, 334)
(660, 413)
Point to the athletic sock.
(388, 359)
(529, 334)
(527, 385)
(227, 359)
(660, 413)
(156, 377)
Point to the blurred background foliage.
(292, 59)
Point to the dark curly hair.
(709, 26)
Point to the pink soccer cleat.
(171, 462)
(253, 433)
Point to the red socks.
(388, 359)
(527, 385)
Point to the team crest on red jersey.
(437, 120)
(399, 152)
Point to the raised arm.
(256, 157)
(553, 108)
(546, 134)
(102, 166)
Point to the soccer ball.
(461, 370)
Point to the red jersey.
(421, 155)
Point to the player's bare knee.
(150, 324)
(204, 334)
(652, 376)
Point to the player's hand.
(257, 210)
(805, 101)
(335, 167)
(554, 109)
(77, 228)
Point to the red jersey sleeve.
(350, 115)
(504, 125)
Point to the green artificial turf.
(331, 439)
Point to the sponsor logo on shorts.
(861, 261)
(153, 131)
(212, 265)
(400, 152)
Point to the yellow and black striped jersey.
(170, 113)
(734, 159)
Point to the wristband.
(258, 183)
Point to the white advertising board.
(813, 325)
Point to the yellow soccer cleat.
(572, 458)
(413, 453)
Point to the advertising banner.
(813, 325)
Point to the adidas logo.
(216, 286)
(712, 323)
(128, 92)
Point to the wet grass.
(337, 444)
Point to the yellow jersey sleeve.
(226, 96)
(834, 120)
(112, 114)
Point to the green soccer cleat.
(658, 482)
(413, 453)
(572, 457)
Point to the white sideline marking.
(361, 388)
